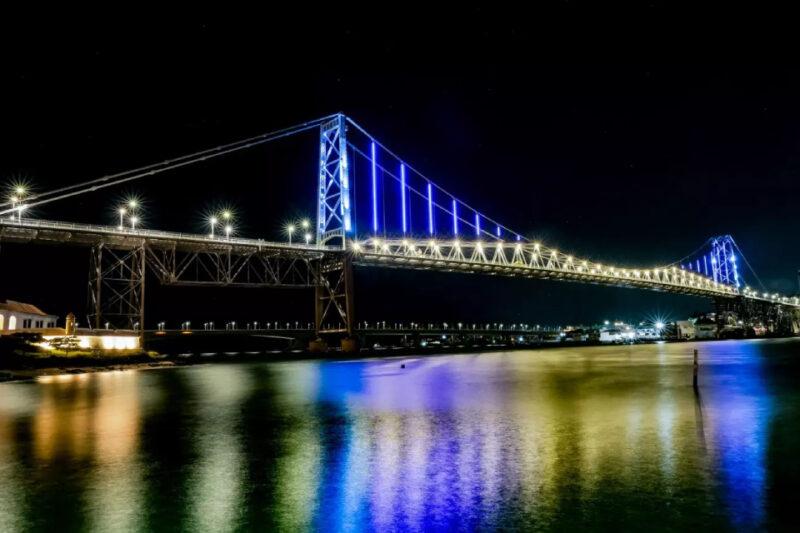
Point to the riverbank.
(26, 368)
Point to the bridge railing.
(520, 258)
(28, 223)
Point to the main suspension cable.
(746, 262)
(162, 166)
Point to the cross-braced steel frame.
(334, 217)
(229, 267)
(117, 287)
(117, 280)
(335, 304)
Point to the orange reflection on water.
(84, 416)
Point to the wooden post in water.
(696, 367)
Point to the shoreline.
(181, 360)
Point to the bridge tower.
(334, 204)
(334, 292)
(724, 267)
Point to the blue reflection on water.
(741, 410)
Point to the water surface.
(564, 438)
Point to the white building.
(18, 316)
(685, 329)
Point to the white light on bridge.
(122, 211)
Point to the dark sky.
(625, 158)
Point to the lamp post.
(122, 212)
(228, 230)
(290, 230)
(14, 199)
(134, 220)
(308, 238)
(213, 222)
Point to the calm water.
(555, 439)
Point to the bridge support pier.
(116, 287)
(334, 300)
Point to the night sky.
(635, 160)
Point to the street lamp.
(228, 230)
(308, 238)
(226, 215)
(305, 224)
(134, 220)
(290, 231)
(14, 199)
(122, 212)
(213, 221)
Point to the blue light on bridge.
(705, 264)
(374, 192)
(344, 179)
(498, 231)
(455, 217)
(403, 196)
(477, 225)
(430, 208)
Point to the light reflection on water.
(562, 438)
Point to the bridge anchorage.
(406, 221)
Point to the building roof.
(19, 307)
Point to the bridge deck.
(519, 259)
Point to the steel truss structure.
(229, 267)
(334, 311)
(723, 261)
(121, 257)
(334, 217)
(529, 260)
(116, 287)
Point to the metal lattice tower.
(723, 261)
(334, 218)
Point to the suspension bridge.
(404, 220)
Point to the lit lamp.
(213, 222)
(122, 212)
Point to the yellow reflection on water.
(216, 478)
(115, 492)
(298, 468)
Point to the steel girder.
(117, 287)
(230, 268)
(335, 303)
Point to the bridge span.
(452, 237)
